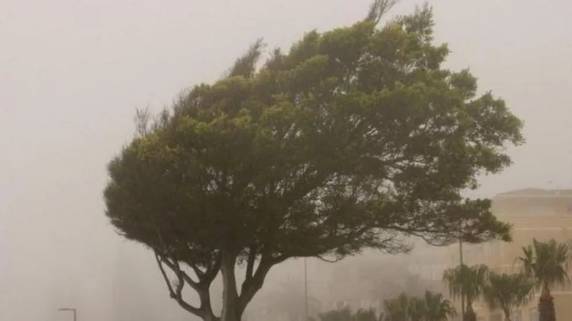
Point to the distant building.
(534, 214)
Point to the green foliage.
(431, 307)
(508, 291)
(467, 282)
(547, 264)
(353, 139)
(398, 309)
(365, 315)
(246, 65)
(345, 314)
(437, 308)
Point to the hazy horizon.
(72, 73)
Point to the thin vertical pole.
(461, 271)
(306, 289)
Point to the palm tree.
(397, 309)
(468, 283)
(547, 263)
(417, 309)
(508, 291)
(437, 308)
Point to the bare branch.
(165, 277)
(378, 8)
(198, 272)
(182, 275)
(251, 286)
(213, 269)
(142, 119)
(250, 262)
(246, 65)
(177, 293)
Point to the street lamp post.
(73, 310)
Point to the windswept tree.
(508, 291)
(467, 282)
(547, 263)
(353, 139)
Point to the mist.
(72, 74)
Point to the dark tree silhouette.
(353, 139)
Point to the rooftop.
(536, 193)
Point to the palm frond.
(546, 262)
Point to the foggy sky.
(72, 73)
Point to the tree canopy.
(353, 139)
(507, 291)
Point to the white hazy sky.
(72, 73)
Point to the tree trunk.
(546, 306)
(204, 295)
(507, 315)
(470, 314)
(230, 304)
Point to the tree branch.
(182, 275)
(251, 285)
(165, 277)
(250, 263)
(177, 293)
(378, 9)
